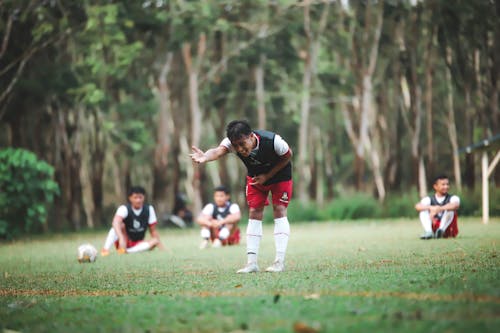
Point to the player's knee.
(224, 233)
(205, 233)
(279, 211)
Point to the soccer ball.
(87, 253)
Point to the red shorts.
(451, 231)
(130, 243)
(233, 239)
(257, 195)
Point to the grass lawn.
(341, 277)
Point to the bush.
(400, 205)
(358, 206)
(471, 202)
(27, 188)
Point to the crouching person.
(219, 220)
(130, 224)
(438, 212)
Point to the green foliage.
(363, 206)
(471, 202)
(358, 206)
(400, 205)
(27, 188)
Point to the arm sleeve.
(208, 210)
(426, 201)
(227, 144)
(122, 211)
(152, 215)
(280, 145)
(234, 208)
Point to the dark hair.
(439, 177)
(136, 189)
(237, 129)
(222, 188)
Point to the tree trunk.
(310, 59)
(68, 164)
(97, 170)
(452, 131)
(195, 112)
(161, 170)
(469, 174)
(260, 92)
(369, 112)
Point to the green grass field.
(341, 277)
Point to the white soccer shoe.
(276, 267)
(251, 267)
(204, 244)
(217, 243)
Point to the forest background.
(374, 97)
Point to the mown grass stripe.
(365, 294)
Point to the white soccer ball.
(87, 253)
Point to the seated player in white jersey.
(219, 220)
(130, 224)
(438, 212)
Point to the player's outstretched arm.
(155, 235)
(198, 156)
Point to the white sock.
(254, 235)
(110, 239)
(281, 235)
(142, 246)
(446, 220)
(425, 219)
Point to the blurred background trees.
(374, 97)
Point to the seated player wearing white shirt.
(438, 212)
(219, 220)
(130, 224)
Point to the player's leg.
(257, 200)
(425, 219)
(282, 193)
(205, 235)
(446, 220)
(110, 239)
(222, 235)
(142, 246)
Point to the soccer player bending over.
(130, 224)
(219, 220)
(438, 212)
(268, 160)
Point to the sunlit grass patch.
(370, 275)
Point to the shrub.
(400, 205)
(354, 207)
(26, 189)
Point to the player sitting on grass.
(219, 220)
(267, 158)
(130, 224)
(438, 212)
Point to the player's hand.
(433, 211)
(259, 180)
(198, 155)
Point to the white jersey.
(209, 209)
(280, 145)
(426, 201)
(123, 213)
